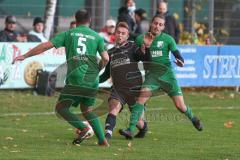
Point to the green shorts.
(77, 95)
(76, 100)
(166, 82)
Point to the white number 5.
(81, 46)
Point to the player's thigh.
(114, 105)
(145, 94)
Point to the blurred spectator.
(124, 16)
(131, 6)
(142, 24)
(72, 24)
(171, 25)
(9, 34)
(108, 31)
(38, 27)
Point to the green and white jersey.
(160, 48)
(81, 45)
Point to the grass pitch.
(29, 129)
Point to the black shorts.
(125, 97)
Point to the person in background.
(131, 6)
(72, 24)
(38, 27)
(171, 25)
(124, 16)
(9, 34)
(142, 24)
(108, 31)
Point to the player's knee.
(86, 111)
(62, 105)
(114, 109)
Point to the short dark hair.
(159, 16)
(82, 16)
(122, 24)
(37, 20)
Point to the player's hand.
(143, 47)
(18, 58)
(179, 62)
(148, 39)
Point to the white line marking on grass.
(150, 109)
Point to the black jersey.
(123, 67)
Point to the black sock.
(110, 123)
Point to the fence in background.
(193, 15)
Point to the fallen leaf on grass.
(15, 151)
(24, 114)
(228, 124)
(9, 138)
(130, 144)
(232, 95)
(212, 95)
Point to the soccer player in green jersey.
(161, 75)
(81, 45)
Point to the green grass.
(171, 136)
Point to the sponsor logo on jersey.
(120, 61)
(156, 53)
(159, 44)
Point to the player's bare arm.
(35, 51)
(104, 60)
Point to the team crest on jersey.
(160, 44)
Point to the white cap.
(110, 22)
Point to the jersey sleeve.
(101, 46)
(172, 45)
(139, 40)
(59, 40)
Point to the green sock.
(96, 125)
(137, 110)
(189, 113)
(71, 118)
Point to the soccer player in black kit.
(126, 77)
